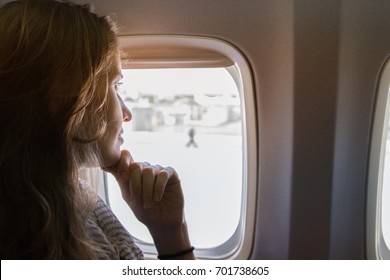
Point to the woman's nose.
(127, 115)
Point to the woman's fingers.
(162, 179)
(147, 183)
(142, 178)
(140, 182)
(148, 179)
(122, 174)
(122, 166)
(135, 183)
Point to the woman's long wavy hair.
(53, 58)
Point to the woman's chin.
(111, 159)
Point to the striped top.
(114, 240)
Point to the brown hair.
(53, 57)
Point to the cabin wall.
(364, 49)
(316, 48)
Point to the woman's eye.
(117, 86)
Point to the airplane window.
(193, 109)
(189, 119)
(378, 203)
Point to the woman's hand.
(153, 193)
(155, 196)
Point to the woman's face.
(117, 113)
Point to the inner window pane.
(189, 119)
(386, 189)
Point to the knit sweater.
(109, 233)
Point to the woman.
(60, 112)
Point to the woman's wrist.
(184, 254)
(173, 241)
